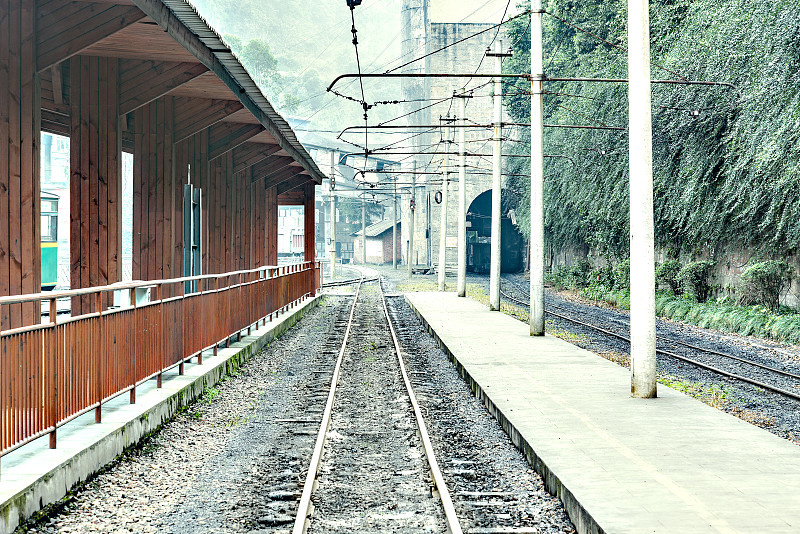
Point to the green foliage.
(763, 283)
(622, 275)
(209, 394)
(575, 276)
(695, 279)
(728, 174)
(748, 321)
(667, 274)
(620, 298)
(603, 276)
(310, 43)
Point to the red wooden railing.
(51, 373)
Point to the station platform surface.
(619, 464)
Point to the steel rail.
(774, 389)
(453, 525)
(348, 282)
(304, 508)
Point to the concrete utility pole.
(443, 224)
(643, 304)
(394, 228)
(537, 174)
(364, 231)
(333, 217)
(462, 199)
(497, 168)
(412, 216)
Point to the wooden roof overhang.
(166, 48)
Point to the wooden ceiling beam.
(293, 183)
(295, 197)
(225, 136)
(270, 166)
(193, 115)
(248, 154)
(142, 82)
(281, 176)
(64, 29)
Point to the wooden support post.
(309, 231)
(95, 183)
(20, 130)
(98, 360)
(132, 398)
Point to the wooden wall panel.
(20, 126)
(95, 176)
(160, 170)
(239, 218)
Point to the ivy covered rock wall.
(726, 160)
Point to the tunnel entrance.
(479, 235)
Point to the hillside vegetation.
(726, 161)
(295, 48)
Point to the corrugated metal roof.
(374, 230)
(240, 82)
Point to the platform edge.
(584, 522)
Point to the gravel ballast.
(236, 460)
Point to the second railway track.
(765, 376)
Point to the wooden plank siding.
(95, 176)
(20, 125)
(65, 29)
(114, 75)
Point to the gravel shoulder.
(231, 462)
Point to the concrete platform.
(34, 476)
(671, 465)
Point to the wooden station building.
(149, 77)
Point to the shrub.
(560, 278)
(622, 275)
(603, 276)
(581, 271)
(763, 283)
(667, 274)
(694, 278)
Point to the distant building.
(379, 243)
(291, 233)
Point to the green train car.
(49, 241)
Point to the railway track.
(750, 371)
(367, 471)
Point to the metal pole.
(394, 228)
(497, 164)
(643, 318)
(443, 224)
(537, 174)
(333, 218)
(462, 201)
(412, 217)
(364, 231)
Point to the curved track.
(755, 367)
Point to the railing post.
(202, 315)
(216, 318)
(52, 405)
(98, 359)
(160, 338)
(132, 399)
